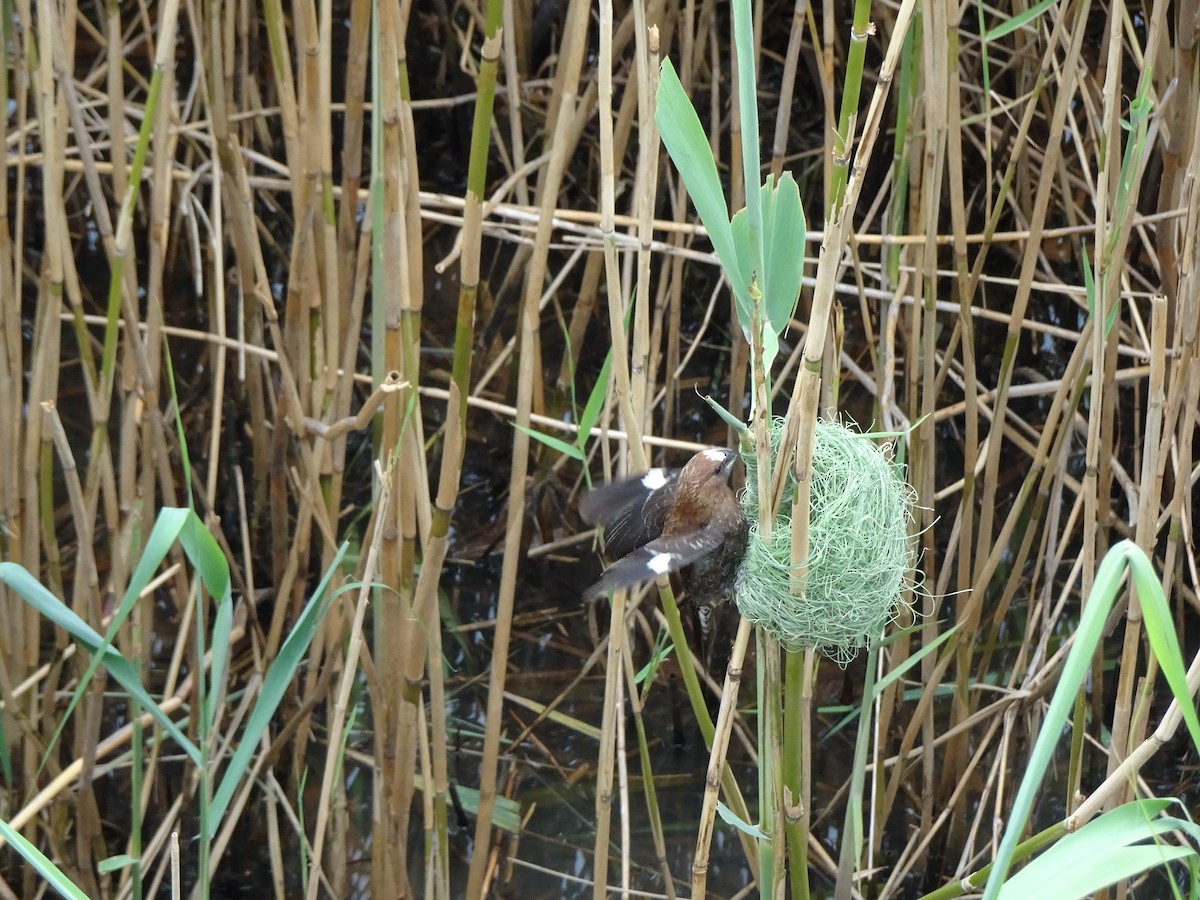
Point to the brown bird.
(669, 519)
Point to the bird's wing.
(656, 558)
(631, 511)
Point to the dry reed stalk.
(941, 120)
(163, 847)
(563, 104)
(1100, 437)
(645, 190)
(144, 475)
(332, 786)
(798, 440)
(636, 707)
(42, 365)
(969, 613)
(425, 599)
(11, 354)
(716, 764)
(784, 113)
(513, 76)
(1124, 188)
(86, 603)
(630, 408)
(49, 58)
(1126, 733)
(1029, 259)
(398, 623)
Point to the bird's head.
(705, 478)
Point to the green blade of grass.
(731, 818)
(911, 661)
(103, 653)
(275, 684)
(39, 861)
(206, 557)
(1008, 26)
(1099, 854)
(595, 401)
(1164, 642)
(1088, 634)
(571, 450)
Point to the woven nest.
(860, 552)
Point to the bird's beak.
(727, 466)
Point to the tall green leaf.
(688, 146)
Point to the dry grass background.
(301, 207)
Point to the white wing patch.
(660, 563)
(654, 479)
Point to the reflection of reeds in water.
(276, 197)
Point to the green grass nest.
(860, 551)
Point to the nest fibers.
(859, 550)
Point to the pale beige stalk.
(716, 758)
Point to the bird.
(668, 520)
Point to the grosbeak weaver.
(669, 519)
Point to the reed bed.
(317, 318)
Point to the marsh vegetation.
(322, 273)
